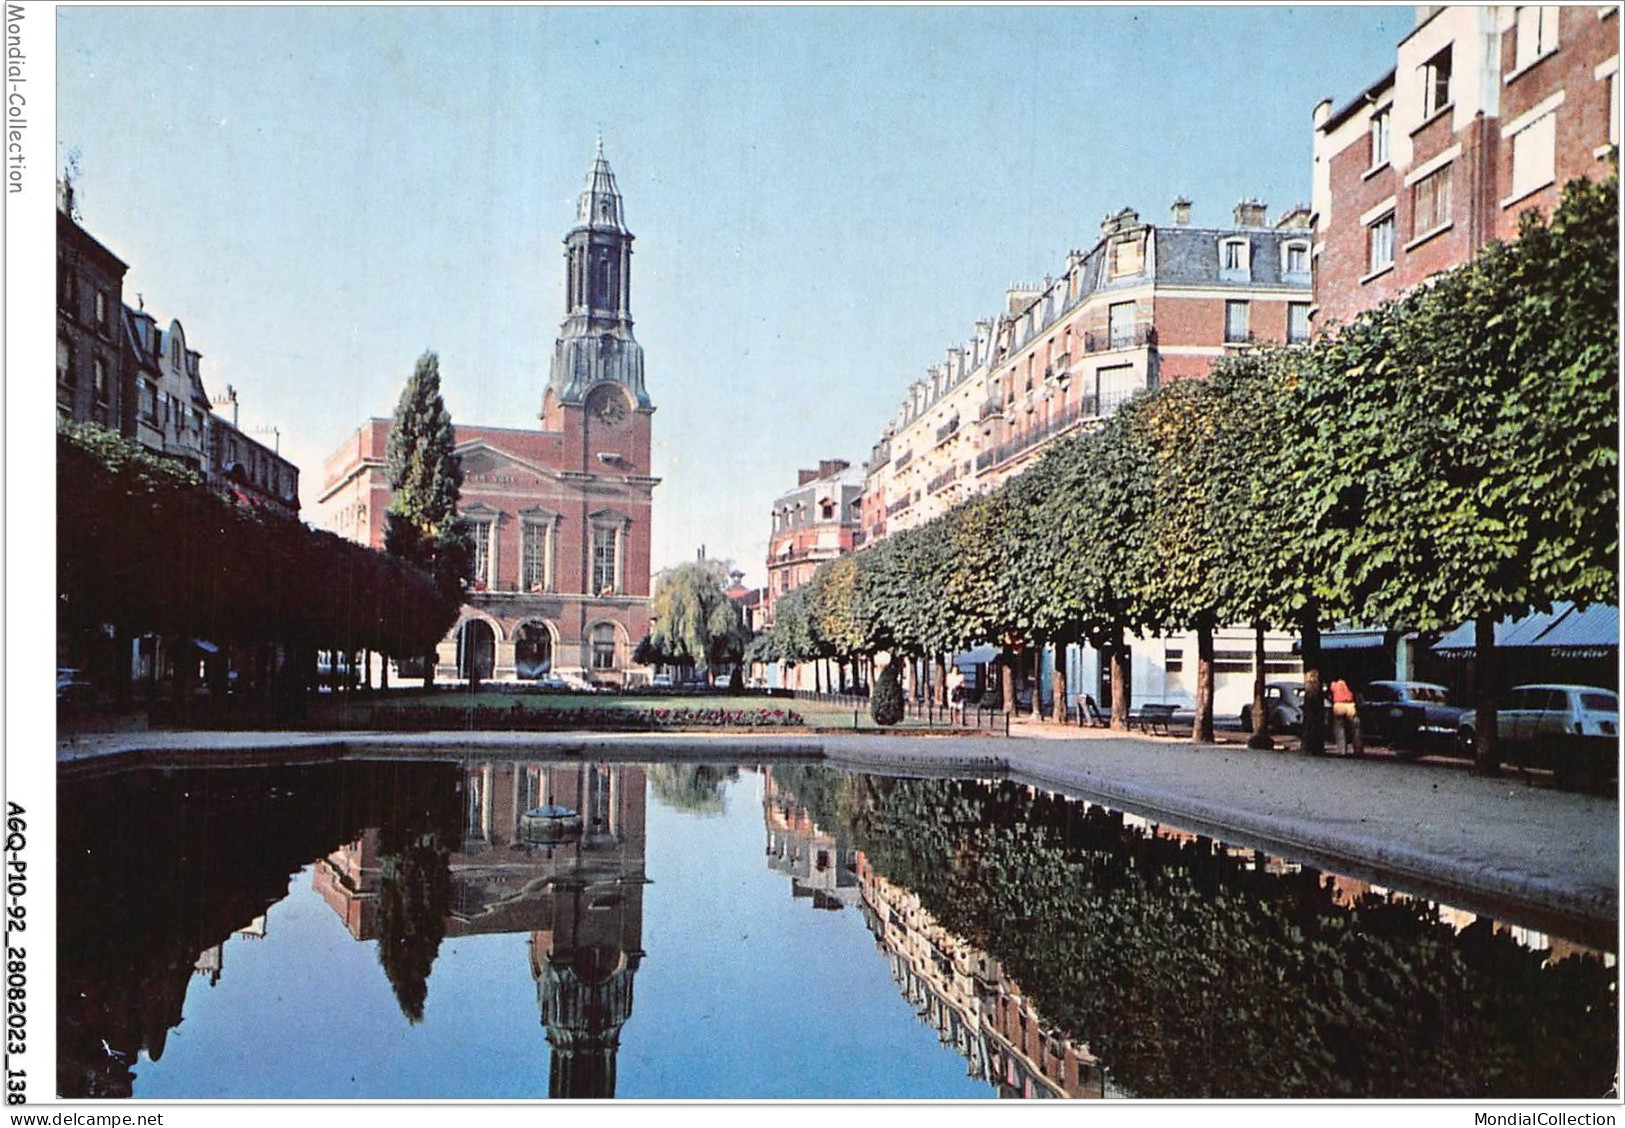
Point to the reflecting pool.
(390, 929)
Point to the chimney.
(1182, 211)
(1295, 218)
(1250, 212)
(1119, 221)
(829, 467)
(805, 476)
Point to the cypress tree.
(425, 478)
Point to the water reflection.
(1059, 948)
(1165, 964)
(580, 902)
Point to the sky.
(824, 199)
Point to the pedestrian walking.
(1089, 713)
(956, 695)
(1346, 719)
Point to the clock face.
(607, 405)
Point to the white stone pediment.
(488, 466)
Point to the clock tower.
(597, 363)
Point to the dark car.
(1410, 716)
(73, 687)
(1283, 705)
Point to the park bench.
(1152, 717)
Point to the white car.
(660, 681)
(1534, 721)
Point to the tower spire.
(595, 342)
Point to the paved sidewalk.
(1539, 857)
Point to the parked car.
(1283, 705)
(660, 681)
(73, 687)
(551, 681)
(1567, 728)
(1410, 716)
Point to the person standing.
(1346, 719)
(956, 695)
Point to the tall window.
(603, 647)
(1380, 243)
(1431, 199)
(1534, 155)
(100, 367)
(149, 401)
(1297, 322)
(535, 573)
(1382, 126)
(101, 310)
(481, 532)
(1117, 385)
(604, 546)
(1235, 322)
(1120, 324)
(64, 363)
(1537, 33)
(1436, 83)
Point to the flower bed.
(484, 717)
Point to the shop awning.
(1566, 631)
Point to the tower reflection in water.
(580, 900)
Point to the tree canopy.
(694, 623)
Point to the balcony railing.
(990, 407)
(948, 429)
(897, 507)
(902, 460)
(1136, 337)
(1085, 408)
(947, 477)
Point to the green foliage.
(1191, 971)
(414, 898)
(835, 606)
(693, 788)
(886, 696)
(144, 545)
(425, 478)
(695, 624)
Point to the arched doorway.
(476, 650)
(532, 651)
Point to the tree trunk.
(1487, 730)
(1058, 685)
(1261, 725)
(428, 668)
(1202, 730)
(185, 678)
(121, 668)
(941, 676)
(383, 673)
(1007, 681)
(1314, 708)
(1122, 703)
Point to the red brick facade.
(1517, 126)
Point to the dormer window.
(1295, 258)
(1127, 257)
(1436, 83)
(1235, 260)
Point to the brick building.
(1147, 304)
(1487, 113)
(91, 382)
(815, 522)
(560, 515)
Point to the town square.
(579, 575)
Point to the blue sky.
(824, 198)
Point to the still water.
(398, 930)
